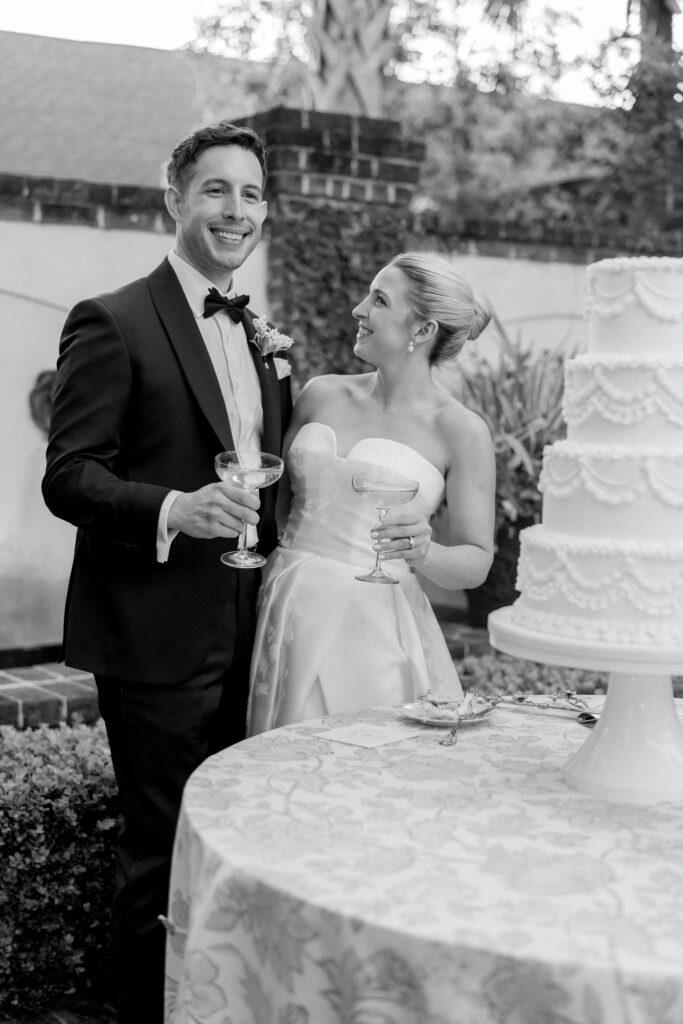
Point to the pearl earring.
(411, 346)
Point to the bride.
(325, 641)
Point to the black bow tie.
(235, 307)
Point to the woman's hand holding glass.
(405, 535)
(383, 490)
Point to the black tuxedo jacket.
(138, 412)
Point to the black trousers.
(158, 735)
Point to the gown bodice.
(330, 519)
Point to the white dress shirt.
(228, 348)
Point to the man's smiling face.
(219, 212)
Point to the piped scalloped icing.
(655, 283)
(635, 307)
(606, 562)
(605, 490)
(602, 396)
(610, 589)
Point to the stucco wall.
(44, 270)
(543, 302)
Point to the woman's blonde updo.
(437, 293)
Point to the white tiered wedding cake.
(605, 565)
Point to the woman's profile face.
(386, 320)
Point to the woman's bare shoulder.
(333, 385)
(336, 380)
(462, 426)
(454, 413)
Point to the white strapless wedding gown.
(326, 642)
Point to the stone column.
(339, 193)
(316, 157)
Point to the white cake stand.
(634, 753)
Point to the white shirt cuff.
(165, 537)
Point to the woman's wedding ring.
(411, 542)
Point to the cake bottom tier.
(613, 591)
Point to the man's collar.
(194, 285)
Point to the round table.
(353, 870)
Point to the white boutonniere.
(268, 339)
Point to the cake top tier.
(635, 306)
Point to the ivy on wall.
(322, 264)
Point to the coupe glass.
(384, 491)
(250, 470)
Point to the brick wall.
(316, 157)
(62, 201)
(48, 693)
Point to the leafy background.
(322, 266)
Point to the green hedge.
(501, 673)
(58, 809)
(324, 267)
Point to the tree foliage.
(327, 263)
(282, 32)
(642, 138)
(630, 148)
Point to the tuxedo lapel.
(270, 391)
(185, 337)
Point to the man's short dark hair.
(187, 152)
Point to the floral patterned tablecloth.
(321, 882)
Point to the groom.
(152, 383)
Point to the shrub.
(58, 808)
(519, 396)
(327, 263)
(501, 673)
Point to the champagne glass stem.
(242, 544)
(382, 514)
